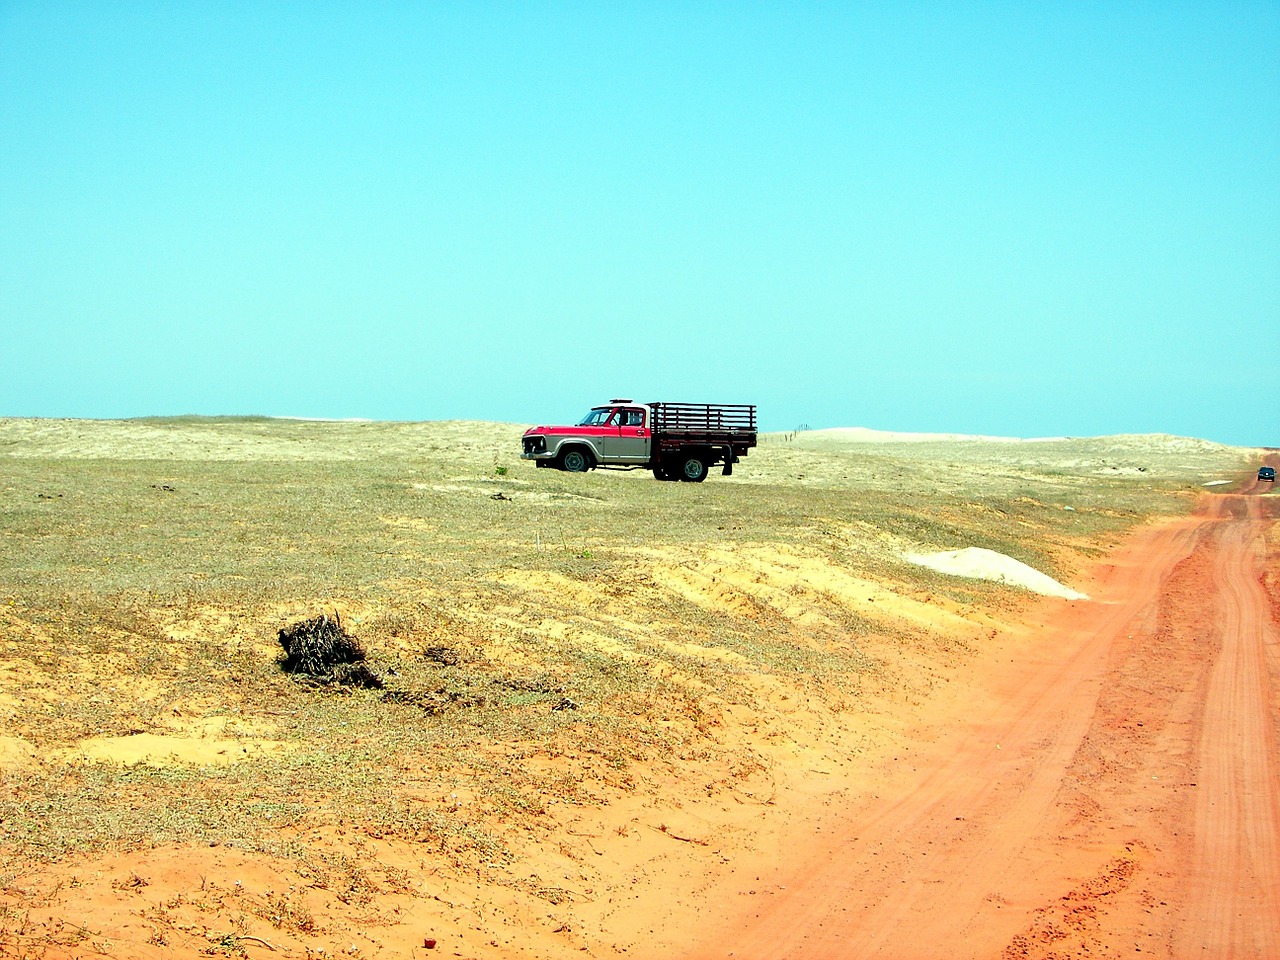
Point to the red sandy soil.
(1101, 781)
(1117, 794)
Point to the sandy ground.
(1107, 786)
(1102, 780)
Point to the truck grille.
(535, 445)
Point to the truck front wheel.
(693, 469)
(575, 460)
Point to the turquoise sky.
(1005, 218)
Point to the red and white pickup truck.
(677, 441)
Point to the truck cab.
(618, 432)
(624, 434)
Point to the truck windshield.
(596, 418)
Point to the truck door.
(627, 438)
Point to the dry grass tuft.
(320, 650)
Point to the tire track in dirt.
(1234, 905)
(1112, 788)
(939, 855)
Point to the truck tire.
(576, 460)
(693, 469)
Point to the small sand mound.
(983, 564)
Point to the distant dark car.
(1267, 473)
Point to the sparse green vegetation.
(595, 623)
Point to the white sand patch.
(983, 564)
(868, 435)
(1216, 483)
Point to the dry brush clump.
(321, 650)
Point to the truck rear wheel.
(575, 460)
(693, 469)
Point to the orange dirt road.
(1111, 788)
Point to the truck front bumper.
(535, 448)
